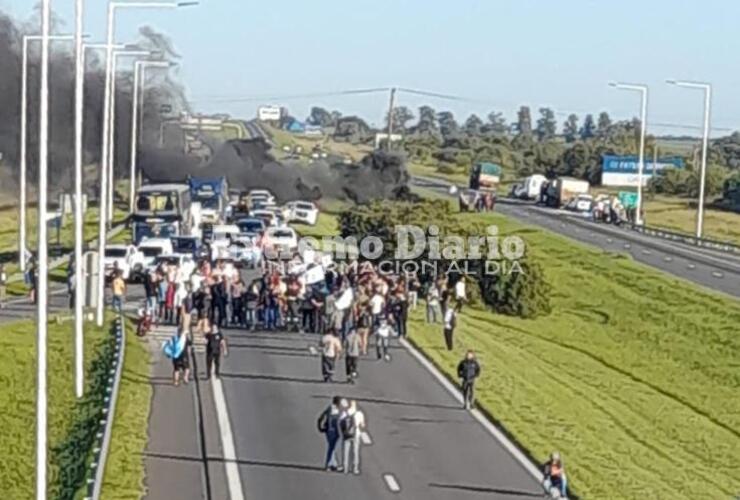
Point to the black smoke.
(160, 90)
(247, 164)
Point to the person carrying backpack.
(352, 425)
(328, 424)
(468, 370)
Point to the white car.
(269, 216)
(263, 195)
(280, 242)
(184, 262)
(245, 251)
(126, 258)
(303, 211)
(580, 203)
(151, 248)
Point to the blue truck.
(212, 193)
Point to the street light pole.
(643, 89)
(139, 81)
(24, 144)
(102, 226)
(111, 152)
(707, 88)
(42, 252)
(79, 215)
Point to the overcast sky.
(559, 54)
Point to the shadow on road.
(487, 489)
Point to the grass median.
(72, 424)
(633, 377)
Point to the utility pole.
(391, 104)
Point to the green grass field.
(124, 473)
(633, 377)
(72, 424)
(679, 214)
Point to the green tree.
(473, 125)
(588, 128)
(321, 117)
(496, 123)
(524, 121)
(401, 117)
(447, 124)
(604, 124)
(546, 124)
(570, 128)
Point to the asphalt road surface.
(708, 268)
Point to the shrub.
(525, 294)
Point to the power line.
(292, 96)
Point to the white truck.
(562, 189)
(529, 187)
(125, 258)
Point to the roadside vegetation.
(632, 375)
(124, 472)
(72, 424)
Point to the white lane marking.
(647, 252)
(227, 442)
(627, 245)
(717, 274)
(391, 482)
(609, 240)
(668, 259)
(691, 266)
(510, 447)
(365, 437)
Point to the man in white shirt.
(352, 440)
(330, 349)
(383, 335)
(450, 321)
(377, 305)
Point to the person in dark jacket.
(328, 424)
(468, 370)
(215, 346)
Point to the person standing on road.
(328, 424)
(450, 321)
(331, 347)
(468, 370)
(352, 429)
(382, 339)
(554, 475)
(352, 354)
(3, 285)
(118, 287)
(215, 346)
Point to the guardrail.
(688, 239)
(100, 452)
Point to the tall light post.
(707, 88)
(102, 225)
(643, 90)
(140, 68)
(112, 142)
(24, 143)
(42, 253)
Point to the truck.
(161, 210)
(529, 187)
(485, 176)
(213, 196)
(562, 189)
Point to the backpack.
(323, 421)
(347, 426)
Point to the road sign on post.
(628, 199)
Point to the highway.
(708, 268)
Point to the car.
(221, 240)
(190, 245)
(263, 194)
(245, 251)
(184, 262)
(151, 248)
(126, 258)
(270, 218)
(303, 211)
(280, 242)
(581, 203)
(251, 226)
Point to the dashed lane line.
(392, 483)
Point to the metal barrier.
(687, 239)
(100, 452)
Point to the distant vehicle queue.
(203, 219)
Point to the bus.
(161, 210)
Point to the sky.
(500, 54)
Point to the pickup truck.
(126, 258)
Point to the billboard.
(269, 113)
(622, 170)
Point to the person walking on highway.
(467, 371)
(353, 344)
(118, 287)
(331, 347)
(328, 424)
(450, 321)
(3, 285)
(352, 425)
(382, 339)
(215, 346)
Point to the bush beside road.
(631, 376)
